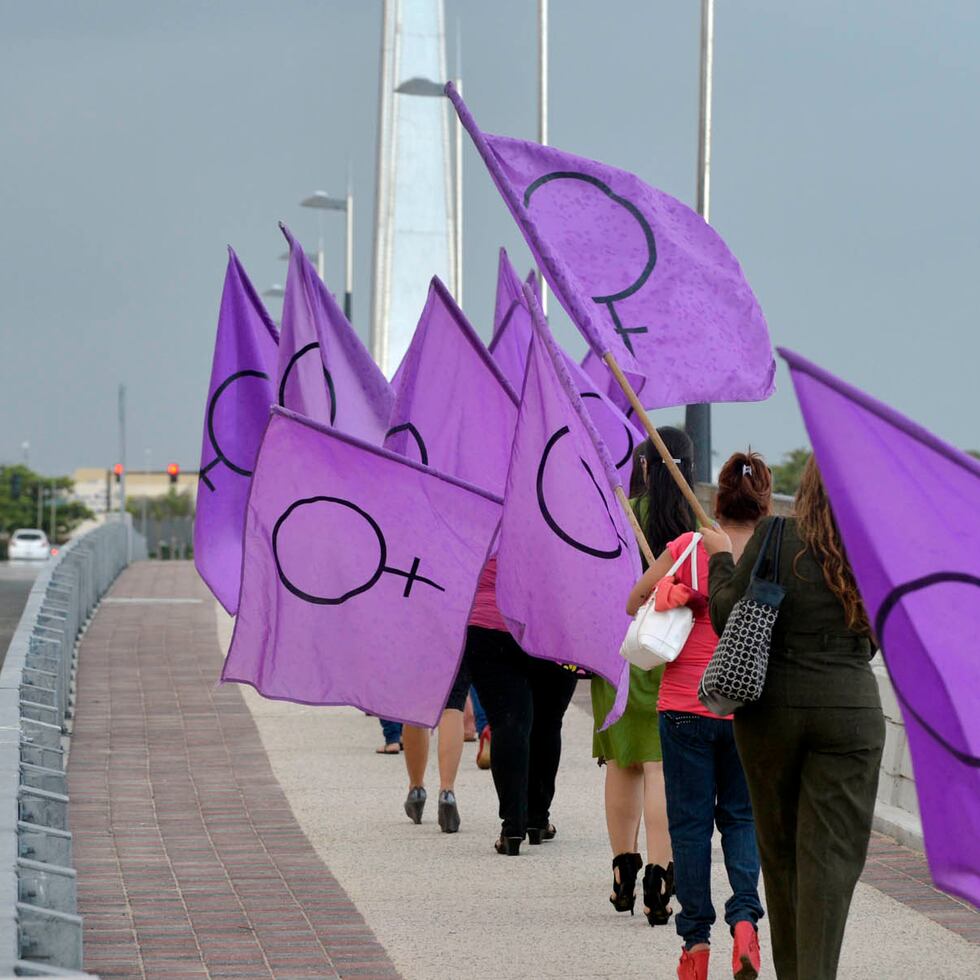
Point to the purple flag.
(604, 381)
(325, 372)
(640, 273)
(509, 291)
(908, 508)
(359, 574)
(454, 410)
(567, 557)
(243, 372)
(620, 434)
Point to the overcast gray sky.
(138, 139)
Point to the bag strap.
(763, 551)
(767, 564)
(684, 555)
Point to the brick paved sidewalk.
(190, 862)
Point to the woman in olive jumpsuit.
(811, 746)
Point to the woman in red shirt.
(703, 777)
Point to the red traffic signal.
(118, 470)
(173, 471)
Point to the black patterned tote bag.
(736, 673)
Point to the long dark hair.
(669, 515)
(818, 531)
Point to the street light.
(324, 202)
(430, 89)
(275, 291)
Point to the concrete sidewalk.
(448, 906)
(218, 834)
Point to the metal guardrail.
(40, 929)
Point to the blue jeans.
(479, 715)
(705, 787)
(392, 731)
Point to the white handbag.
(656, 638)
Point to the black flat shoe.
(415, 803)
(658, 886)
(535, 835)
(623, 898)
(510, 846)
(448, 812)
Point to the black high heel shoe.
(658, 886)
(510, 846)
(624, 890)
(415, 803)
(535, 835)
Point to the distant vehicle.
(29, 542)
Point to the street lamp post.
(324, 202)
(543, 107)
(430, 89)
(697, 418)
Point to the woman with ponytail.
(812, 744)
(630, 749)
(704, 782)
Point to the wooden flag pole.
(641, 538)
(682, 484)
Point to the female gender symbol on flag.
(325, 522)
(239, 398)
(564, 491)
(293, 362)
(641, 274)
(251, 389)
(358, 576)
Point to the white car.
(29, 542)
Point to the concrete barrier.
(40, 930)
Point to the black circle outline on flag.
(326, 374)
(888, 606)
(411, 576)
(220, 457)
(609, 555)
(610, 301)
(415, 434)
(629, 433)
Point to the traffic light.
(118, 470)
(16, 485)
(173, 471)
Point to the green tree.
(19, 489)
(174, 504)
(787, 474)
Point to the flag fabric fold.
(908, 508)
(242, 388)
(325, 371)
(620, 433)
(454, 409)
(359, 574)
(567, 558)
(641, 274)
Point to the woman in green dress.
(630, 749)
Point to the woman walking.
(630, 749)
(525, 700)
(704, 782)
(812, 744)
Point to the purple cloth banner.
(454, 410)
(567, 557)
(604, 381)
(243, 372)
(908, 508)
(359, 574)
(640, 273)
(618, 432)
(325, 372)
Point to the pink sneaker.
(693, 966)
